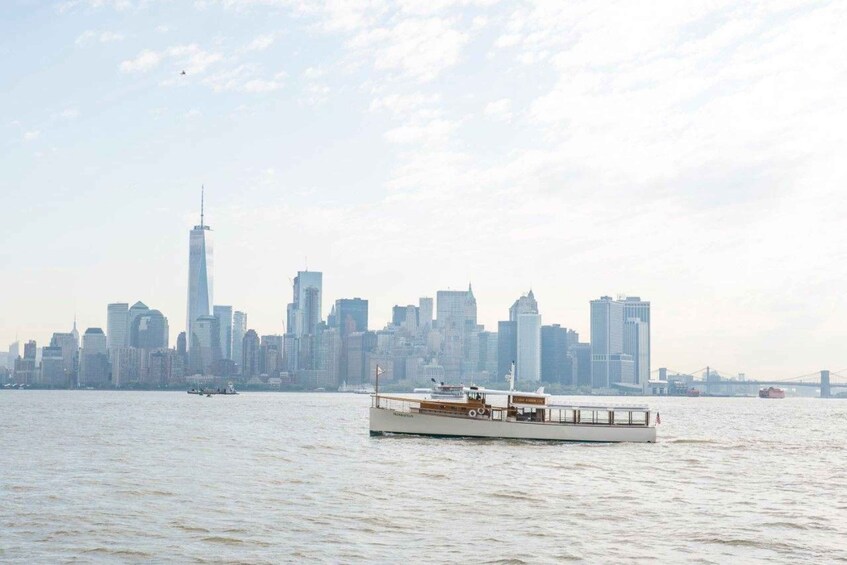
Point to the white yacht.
(523, 415)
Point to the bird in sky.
(182, 73)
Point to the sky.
(690, 153)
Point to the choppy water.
(264, 477)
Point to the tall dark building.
(70, 352)
(270, 354)
(555, 365)
(398, 315)
(182, 350)
(487, 358)
(250, 354)
(26, 371)
(359, 344)
(149, 331)
(52, 368)
(351, 315)
(581, 362)
(94, 369)
(204, 350)
(507, 347)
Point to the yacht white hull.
(385, 420)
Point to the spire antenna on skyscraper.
(202, 202)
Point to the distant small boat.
(356, 389)
(693, 392)
(441, 390)
(771, 392)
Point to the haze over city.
(403, 148)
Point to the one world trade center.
(199, 274)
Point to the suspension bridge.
(710, 379)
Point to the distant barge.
(771, 392)
(228, 390)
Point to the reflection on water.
(264, 477)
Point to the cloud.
(260, 43)
(420, 48)
(315, 91)
(432, 131)
(244, 78)
(90, 36)
(403, 104)
(71, 5)
(260, 85)
(499, 110)
(145, 61)
(190, 58)
(31, 135)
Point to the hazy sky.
(689, 153)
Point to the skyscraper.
(528, 366)
(425, 314)
(200, 252)
(14, 351)
(524, 313)
(456, 321)
(181, 344)
(487, 360)
(52, 369)
(359, 344)
(117, 324)
(526, 304)
(456, 309)
(204, 350)
(580, 354)
(135, 311)
(637, 336)
(70, 351)
(149, 330)
(26, 368)
(636, 345)
(94, 367)
(239, 328)
(270, 355)
(304, 312)
(224, 316)
(351, 315)
(555, 364)
(609, 364)
(75, 332)
(250, 354)
(507, 347)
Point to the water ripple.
(269, 478)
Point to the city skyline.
(405, 149)
(513, 313)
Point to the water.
(270, 478)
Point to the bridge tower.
(825, 390)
